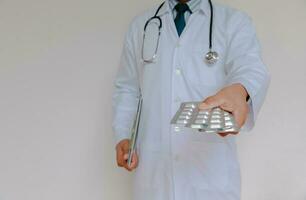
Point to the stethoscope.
(211, 56)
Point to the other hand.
(122, 151)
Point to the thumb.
(211, 102)
(126, 156)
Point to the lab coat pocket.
(208, 165)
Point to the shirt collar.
(203, 7)
(192, 4)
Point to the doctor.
(183, 164)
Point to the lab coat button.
(178, 71)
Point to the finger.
(126, 156)
(226, 134)
(126, 165)
(227, 107)
(239, 117)
(126, 147)
(223, 134)
(124, 153)
(211, 102)
(119, 156)
(134, 162)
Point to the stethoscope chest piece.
(211, 57)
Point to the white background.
(58, 59)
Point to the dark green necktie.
(179, 20)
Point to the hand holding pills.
(232, 99)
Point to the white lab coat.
(182, 164)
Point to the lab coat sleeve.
(126, 91)
(244, 65)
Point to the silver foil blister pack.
(214, 120)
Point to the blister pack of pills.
(214, 120)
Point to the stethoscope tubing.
(211, 57)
